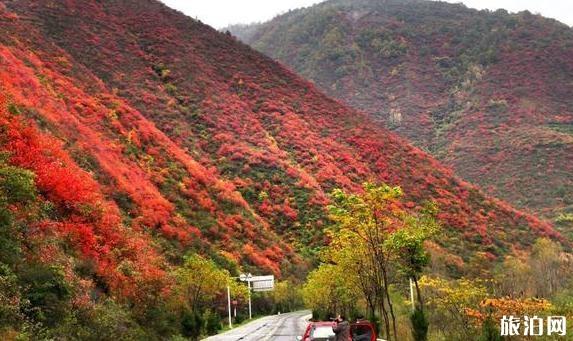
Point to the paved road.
(284, 327)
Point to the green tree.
(372, 238)
(286, 296)
(10, 299)
(328, 292)
(212, 322)
(191, 323)
(406, 246)
(419, 325)
(549, 273)
(17, 195)
(48, 292)
(201, 286)
(513, 277)
(105, 320)
(17, 191)
(449, 301)
(199, 281)
(364, 222)
(349, 252)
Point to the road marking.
(254, 331)
(273, 332)
(266, 328)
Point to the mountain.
(139, 135)
(488, 93)
(196, 137)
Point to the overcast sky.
(220, 13)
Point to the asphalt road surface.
(284, 327)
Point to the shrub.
(107, 320)
(9, 312)
(419, 325)
(48, 293)
(212, 322)
(191, 323)
(490, 331)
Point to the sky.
(221, 13)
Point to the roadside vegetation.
(376, 248)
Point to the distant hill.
(488, 93)
(245, 31)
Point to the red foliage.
(261, 260)
(489, 92)
(91, 223)
(289, 212)
(225, 115)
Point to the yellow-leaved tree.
(372, 238)
(200, 281)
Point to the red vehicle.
(322, 331)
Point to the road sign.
(259, 283)
(263, 283)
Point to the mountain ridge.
(485, 92)
(204, 144)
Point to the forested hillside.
(140, 146)
(488, 93)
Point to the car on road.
(361, 330)
(318, 331)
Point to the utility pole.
(247, 278)
(229, 305)
(412, 294)
(250, 310)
